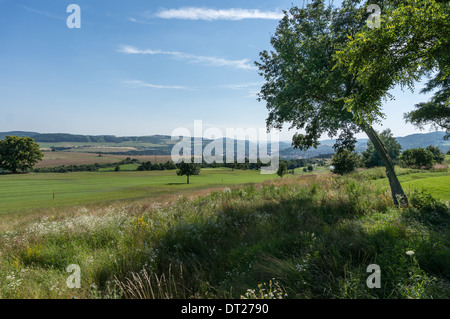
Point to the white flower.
(410, 253)
(299, 267)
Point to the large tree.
(411, 42)
(308, 89)
(19, 153)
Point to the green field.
(435, 183)
(35, 191)
(300, 237)
(25, 192)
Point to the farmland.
(52, 159)
(221, 236)
(303, 236)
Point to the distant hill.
(18, 133)
(410, 141)
(162, 144)
(424, 140)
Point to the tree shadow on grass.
(231, 248)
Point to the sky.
(143, 67)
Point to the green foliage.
(282, 168)
(435, 114)
(303, 87)
(85, 167)
(427, 204)
(19, 153)
(307, 87)
(417, 158)
(370, 156)
(411, 42)
(188, 169)
(438, 156)
(344, 161)
(148, 166)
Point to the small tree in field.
(19, 153)
(188, 169)
(344, 161)
(282, 169)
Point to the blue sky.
(141, 67)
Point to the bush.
(344, 161)
(426, 203)
(417, 158)
(438, 156)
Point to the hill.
(410, 141)
(162, 144)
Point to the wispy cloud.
(139, 21)
(243, 86)
(208, 60)
(252, 88)
(140, 84)
(192, 13)
(43, 13)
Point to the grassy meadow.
(150, 235)
(34, 191)
(434, 182)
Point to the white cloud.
(138, 84)
(139, 21)
(208, 60)
(43, 13)
(192, 13)
(243, 86)
(252, 88)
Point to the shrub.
(417, 158)
(438, 156)
(344, 161)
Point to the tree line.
(83, 167)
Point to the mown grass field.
(435, 183)
(34, 191)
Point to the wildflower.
(299, 267)
(410, 253)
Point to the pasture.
(25, 192)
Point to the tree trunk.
(187, 179)
(398, 195)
